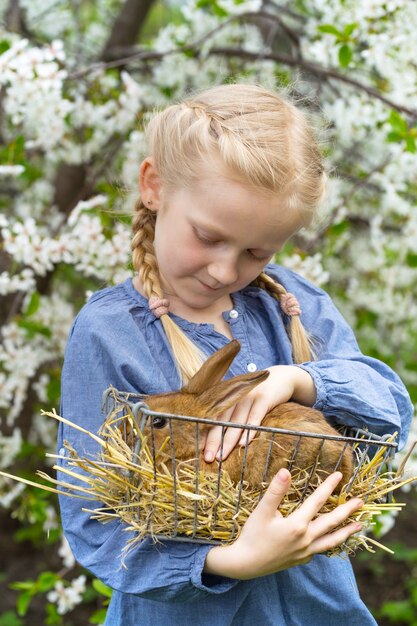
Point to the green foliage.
(101, 588)
(401, 132)
(411, 259)
(9, 618)
(29, 588)
(4, 45)
(345, 55)
(32, 512)
(342, 38)
(33, 304)
(53, 618)
(214, 6)
(403, 610)
(98, 616)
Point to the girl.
(232, 173)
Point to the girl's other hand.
(284, 383)
(270, 542)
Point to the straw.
(152, 500)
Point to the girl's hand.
(270, 542)
(285, 382)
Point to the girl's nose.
(223, 272)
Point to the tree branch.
(128, 24)
(128, 57)
(319, 71)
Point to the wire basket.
(167, 498)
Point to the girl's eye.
(159, 422)
(205, 241)
(261, 259)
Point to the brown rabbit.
(207, 396)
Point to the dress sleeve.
(355, 389)
(164, 571)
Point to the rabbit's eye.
(159, 422)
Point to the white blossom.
(310, 267)
(67, 597)
(11, 170)
(66, 554)
(9, 447)
(51, 519)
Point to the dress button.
(233, 314)
(62, 452)
(251, 367)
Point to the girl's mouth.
(207, 287)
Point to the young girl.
(232, 173)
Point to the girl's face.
(215, 238)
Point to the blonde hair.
(262, 139)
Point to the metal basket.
(120, 406)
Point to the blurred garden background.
(77, 80)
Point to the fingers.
(275, 493)
(257, 412)
(214, 437)
(312, 505)
(335, 539)
(328, 521)
(232, 435)
(247, 411)
(322, 527)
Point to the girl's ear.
(150, 184)
(227, 393)
(213, 370)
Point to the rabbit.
(207, 396)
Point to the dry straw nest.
(152, 500)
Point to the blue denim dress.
(116, 340)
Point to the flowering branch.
(126, 58)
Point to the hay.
(152, 500)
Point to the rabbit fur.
(207, 395)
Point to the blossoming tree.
(78, 77)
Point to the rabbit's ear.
(213, 370)
(228, 392)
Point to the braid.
(301, 342)
(187, 356)
(215, 120)
(143, 254)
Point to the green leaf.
(33, 304)
(23, 602)
(394, 136)
(101, 588)
(410, 144)
(46, 581)
(398, 611)
(411, 259)
(219, 11)
(212, 4)
(330, 30)
(35, 328)
(345, 55)
(53, 617)
(53, 390)
(349, 28)
(339, 228)
(98, 617)
(4, 45)
(21, 586)
(397, 122)
(9, 618)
